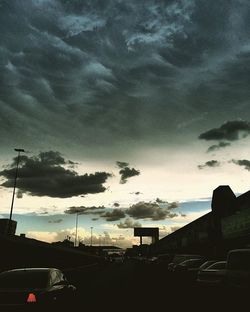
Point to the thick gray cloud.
(128, 224)
(243, 162)
(211, 164)
(56, 221)
(153, 211)
(126, 172)
(114, 215)
(160, 201)
(172, 205)
(122, 164)
(112, 75)
(230, 131)
(45, 175)
(84, 210)
(218, 146)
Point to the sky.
(130, 113)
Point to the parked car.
(164, 259)
(189, 265)
(34, 287)
(188, 269)
(207, 264)
(238, 268)
(180, 258)
(213, 274)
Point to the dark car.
(31, 288)
(238, 269)
(179, 258)
(213, 274)
(191, 265)
(188, 269)
(207, 264)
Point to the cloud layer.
(152, 211)
(46, 175)
(210, 164)
(230, 131)
(126, 172)
(115, 75)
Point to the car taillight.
(31, 298)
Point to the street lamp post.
(91, 236)
(19, 150)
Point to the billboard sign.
(146, 231)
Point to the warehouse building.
(227, 226)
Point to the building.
(8, 227)
(226, 227)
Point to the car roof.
(31, 270)
(239, 250)
(218, 262)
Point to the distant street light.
(76, 228)
(91, 236)
(19, 150)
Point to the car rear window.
(24, 279)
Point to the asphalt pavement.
(133, 286)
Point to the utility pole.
(19, 150)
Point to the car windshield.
(207, 264)
(217, 266)
(23, 279)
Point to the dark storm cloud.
(114, 215)
(126, 172)
(19, 194)
(119, 71)
(84, 210)
(160, 201)
(122, 164)
(218, 146)
(172, 205)
(55, 221)
(243, 162)
(136, 193)
(45, 175)
(210, 164)
(230, 131)
(153, 211)
(128, 224)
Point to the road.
(136, 287)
